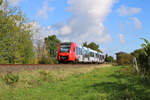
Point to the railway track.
(7, 68)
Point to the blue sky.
(122, 22)
(131, 35)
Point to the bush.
(10, 78)
(125, 59)
(143, 57)
(109, 59)
(146, 50)
(46, 60)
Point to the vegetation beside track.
(107, 83)
(29, 67)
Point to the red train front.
(66, 52)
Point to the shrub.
(143, 57)
(109, 59)
(124, 59)
(46, 60)
(10, 78)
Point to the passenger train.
(71, 52)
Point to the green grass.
(111, 83)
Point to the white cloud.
(125, 11)
(137, 23)
(45, 10)
(14, 2)
(65, 30)
(121, 38)
(39, 32)
(86, 22)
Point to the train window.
(91, 54)
(80, 51)
(97, 55)
(101, 57)
(65, 47)
(77, 50)
(73, 49)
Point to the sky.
(116, 25)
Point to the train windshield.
(65, 47)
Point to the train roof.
(92, 50)
(85, 48)
(79, 46)
(65, 43)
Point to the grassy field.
(107, 83)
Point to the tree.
(92, 46)
(16, 45)
(52, 43)
(85, 44)
(139, 53)
(146, 47)
(1, 2)
(109, 59)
